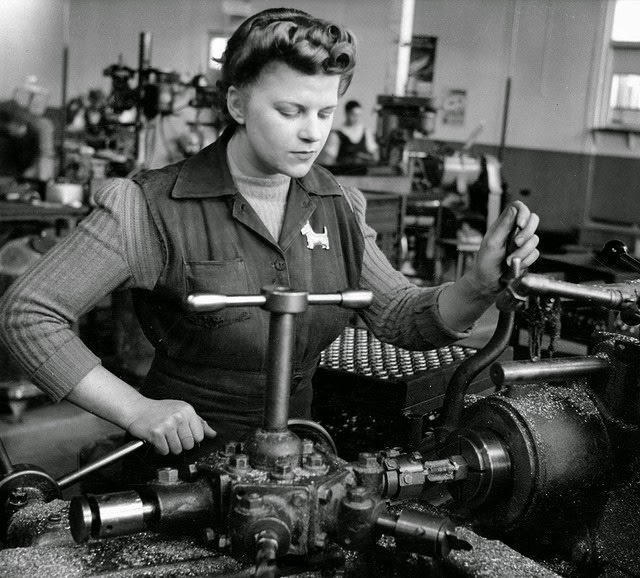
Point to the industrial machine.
(538, 479)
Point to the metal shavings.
(493, 558)
(31, 520)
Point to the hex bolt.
(307, 446)
(367, 460)
(191, 472)
(230, 448)
(391, 464)
(325, 495)
(167, 475)
(357, 494)
(314, 460)
(252, 502)
(321, 540)
(239, 461)
(416, 457)
(282, 468)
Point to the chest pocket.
(222, 278)
(230, 338)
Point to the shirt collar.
(207, 175)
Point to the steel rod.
(511, 372)
(111, 457)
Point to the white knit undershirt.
(267, 196)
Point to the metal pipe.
(510, 372)
(111, 457)
(279, 370)
(144, 63)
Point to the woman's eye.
(289, 112)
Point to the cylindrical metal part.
(509, 372)
(418, 531)
(107, 515)
(111, 457)
(487, 462)
(162, 507)
(357, 516)
(180, 507)
(560, 455)
(280, 354)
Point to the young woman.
(353, 143)
(229, 220)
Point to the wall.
(31, 43)
(549, 48)
(101, 30)
(551, 51)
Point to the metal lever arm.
(205, 302)
(111, 457)
(613, 297)
(615, 252)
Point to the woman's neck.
(239, 151)
(353, 131)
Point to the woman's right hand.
(170, 425)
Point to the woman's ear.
(236, 104)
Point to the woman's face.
(354, 116)
(285, 118)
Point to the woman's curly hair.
(307, 44)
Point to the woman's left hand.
(511, 236)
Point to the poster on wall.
(454, 106)
(422, 61)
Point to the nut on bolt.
(230, 448)
(282, 469)
(252, 502)
(239, 461)
(307, 446)
(314, 460)
(321, 540)
(325, 495)
(213, 538)
(357, 494)
(367, 460)
(167, 476)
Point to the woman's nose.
(311, 130)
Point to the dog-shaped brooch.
(315, 239)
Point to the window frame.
(608, 70)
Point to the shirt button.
(280, 265)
